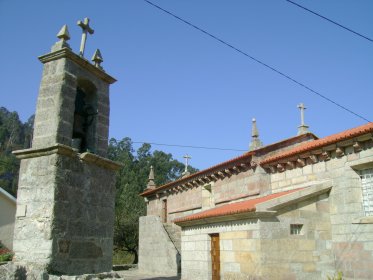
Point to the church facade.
(301, 208)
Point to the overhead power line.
(189, 146)
(331, 21)
(259, 61)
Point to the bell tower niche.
(84, 133)
(66, 193)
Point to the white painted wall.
(7, 216)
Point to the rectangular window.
(296, 229)
(367, 190)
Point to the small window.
(296, 229)
(367, 190)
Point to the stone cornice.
(100, 161)
(313, 156)
(70, 152)
(323, 148)
(225, 169)
(40, 152)
(204, 177)
(67, 53)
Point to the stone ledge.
(361, 164)
(100, 161)
(294, 197)
(55, 149)
(184, 209)
(237, 197)
(67, 53)
(70, 152)
(364, 220)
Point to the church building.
(301, 208)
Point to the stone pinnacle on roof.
(255, 141)
(64, 36)
(151, 184)
(303, 128)
(97, 58)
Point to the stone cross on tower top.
(85, 28)
(302, 128)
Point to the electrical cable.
(260, 62)
(189, 146)
(331, 21)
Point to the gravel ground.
(134, 274)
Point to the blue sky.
(178, 86)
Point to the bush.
(5, 253)
(337, 276)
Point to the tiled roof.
(233, 208)
(246, 157)
(319, 143)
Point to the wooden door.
(215, 256)
(164, 211)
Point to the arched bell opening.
(85, 117)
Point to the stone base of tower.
(65, 211)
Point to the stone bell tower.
(66, 193)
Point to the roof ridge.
(216, 167)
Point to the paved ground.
(135, 275)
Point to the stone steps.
(174, 232)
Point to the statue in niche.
(83, 118)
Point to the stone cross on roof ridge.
(85, 28)
(187, 158)
(303, 128)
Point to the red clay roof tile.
(233, 208)
(245, 157)
(332, 139)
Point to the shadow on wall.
(20, 273)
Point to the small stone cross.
(85, 28)
(302, 108)
(303, 128)
(187, 158)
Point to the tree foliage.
(14, 135)
(131, 181)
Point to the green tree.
(14, 135)
(131, 181)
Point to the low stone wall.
(157, 253)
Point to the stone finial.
(64, 36)
(85, 28)
(151, 183)
(255, 141)
(97, 59)
(303, 128)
